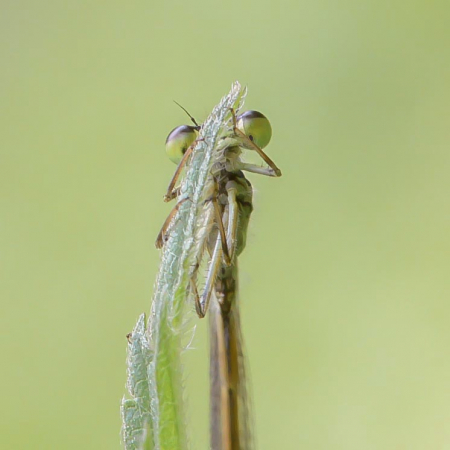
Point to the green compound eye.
(178, 141)
(256, 126)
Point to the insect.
(227, 209)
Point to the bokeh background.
(345, 280)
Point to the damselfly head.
(256, 126)
(179, 140)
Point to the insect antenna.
(186, 111)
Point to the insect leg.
(161, 238)
(223, 236)
(171, 191)
(267, 171)
(202, 302)
(249, 144)
(219, 222)
(233, 218)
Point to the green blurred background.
(345, 280)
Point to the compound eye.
(256, 126)
(178, 141)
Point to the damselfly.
(227, 206)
